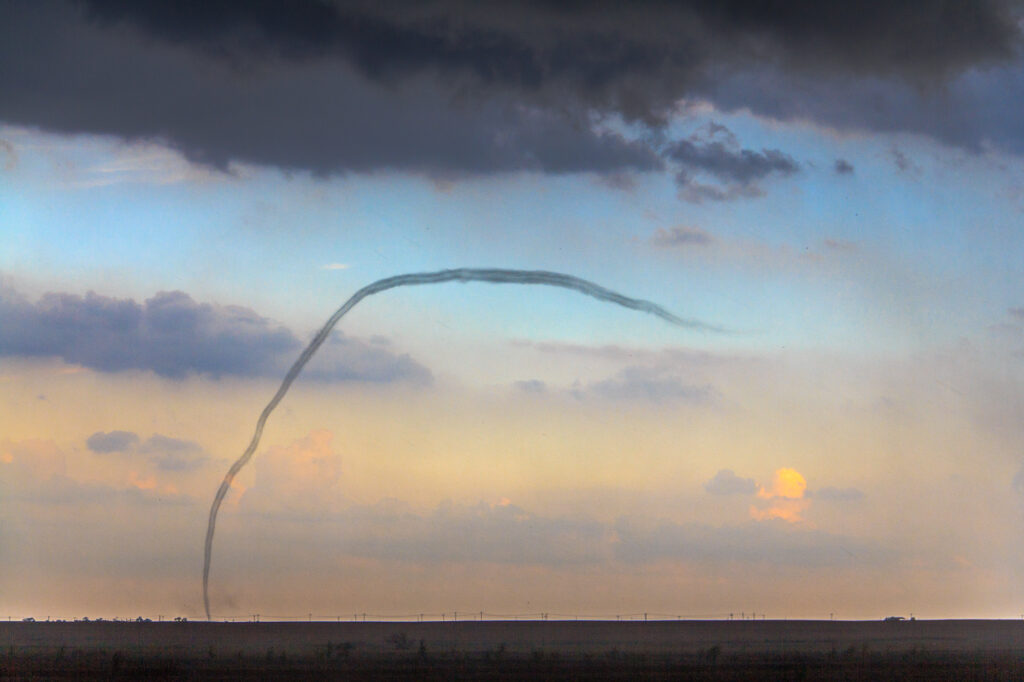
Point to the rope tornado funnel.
(490, 275)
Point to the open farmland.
(518, 650)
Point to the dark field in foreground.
(712, 650)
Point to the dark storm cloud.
(319, 115)
(173, 335)
(726, 482)
(113, 441)
(455, 88)
(593, 44)
(973, 110)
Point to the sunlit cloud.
(783, 499)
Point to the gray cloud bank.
(681, 236)
(173, 336)
(510, 534)
(769, 542)
(501, 534)
(454, 88)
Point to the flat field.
(963, 649)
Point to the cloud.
(772, 542)
(681, 236)
(34, 459)
(302, 477)
(494, 533)
(159, 443)
(601, 42)
(8, 156)
(531, 386)
(173, 454)
(1016, 312)
(113, 441)
(35, 471)
(966, 109)
(163, 452)
(787, 484)
(783, 499)
(462, 89)
(345, 358)
(335, 266)
(843, 167)
(651, 384)
(506, 533)
(726, 161)
(832, 494)
(715, 152)
(170, 334)
(903, 162)
(839, 245)
(319, 112)
(667, 358)
(173, 335)
(726, 482)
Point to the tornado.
(489, 275)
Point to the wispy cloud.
(833, 494)
(681, 236)
(649, 384)
(335, 266)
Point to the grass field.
(862, 650)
